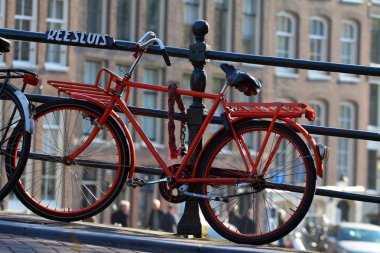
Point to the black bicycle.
(16, 123)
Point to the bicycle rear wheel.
(12, 124)
(59, 190)
(273, 203)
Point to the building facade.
(343, 31)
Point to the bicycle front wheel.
(12, 124)
(58, 189)
(276, 198)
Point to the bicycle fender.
(29, 122)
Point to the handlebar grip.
(166, 57)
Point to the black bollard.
(190, 222)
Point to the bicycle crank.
(183, 189)
(138, 182)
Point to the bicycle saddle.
(5, 45)
(242, 81)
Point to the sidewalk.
(127, 238)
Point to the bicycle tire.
(12, 123)
(255, 214)
(77, 190)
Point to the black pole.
(190, 222)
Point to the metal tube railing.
(197, 55)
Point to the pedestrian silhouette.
(120, 217)
(169, 220)
(155, 216)
(247, 224)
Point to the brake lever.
(166, 57)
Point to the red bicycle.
(254, 178)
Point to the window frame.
(324, 39)
(90, 78)
(62, 65)
(291, 50)
(31, 63)
(2, 24)
(345, 147)
(227, 31)
(188, 26)
(161, 12)
(157, 136)
(58, 172)
(132, 15)
(103, 18)
(372, 17)
(256, 30)
(352, 1)
(375, 127)
(354, 42)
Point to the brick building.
(345, 31)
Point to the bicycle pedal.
(136, 182)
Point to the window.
(320, 119)
(285, 155)
(353, 1)
(285, 40)
(91, 179)
(154, 17)
(56, 55)
(49, 172)
(2, 24)
(373, 175)
(151, 100)
(187, 100)
(191, 14)
(91, 69)
(251, 26)
(373, 147)
(25, 19)
(97, 16)
(375, 38)
(345, 145)
(124, 18)
(217, 84)
(318, 36)
(374, 104)
(348, 47)
(221, 25)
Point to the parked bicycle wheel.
(58, 189)
(12, 124)
(275, 202)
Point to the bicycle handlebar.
(150, 38)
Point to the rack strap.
(174, 97)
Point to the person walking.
(155, 216)
(121, 216)
(169, 220)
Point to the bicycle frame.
(112, 97)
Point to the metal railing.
(198, 55)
